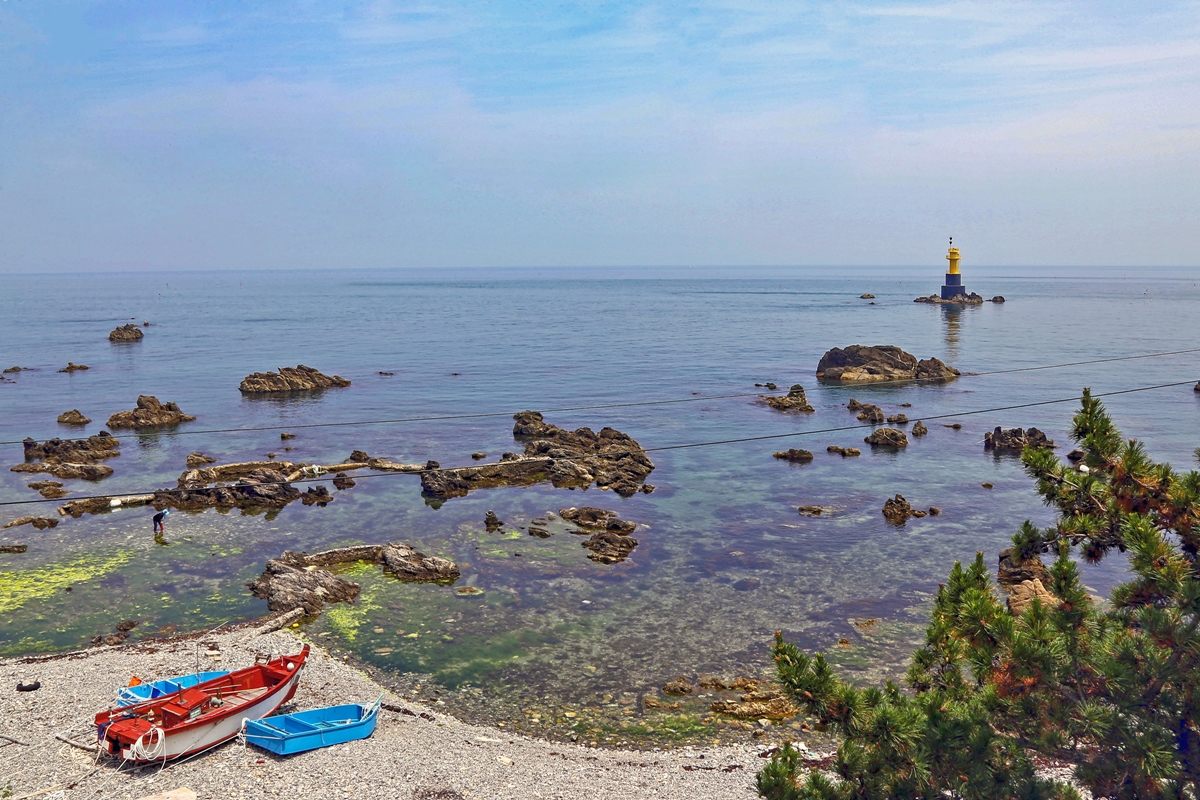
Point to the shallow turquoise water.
(550, 622)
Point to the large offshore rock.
(610, 459)
(150, 413)
(81, 451)
(1015, 439)
(795, 400)
(73, 417)
(290, 379)
(126, 333)
(861, 363)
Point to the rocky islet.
(290, 379)
(864, 364)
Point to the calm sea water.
(724, 559)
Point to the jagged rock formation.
(971, 299)
(290, 379)
(919, 429)
(609, 547)
(260, 488)
(795, 456)
(887, 437)
(491, 522)
(73, 367)
(897, 510)
(1013, 570)
(1015, 439)
(860, 363)
(198, 459)
(73, 417)
(794, 401)
(844, 452)
(610, 459)
(296, 580)
(871, 414)
(611, 542)
(41, 523)
(98, 447)
(897, 419)
(126, 333)
(1022, 595)
(150, 413)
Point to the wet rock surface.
(342, 481)
(795, 400)
(610, 459)
(795, 456)
(73, 367)
(492, 522)
(897, 510)
(51, 490)
(1015, 439)
(198, 459)
(126, 333)
(1012, 569)
(862, 363)
(13, 548)
(149, 413)
(887, 437)
(72, 417)
(610, 541)
(971, 299)
(316, 495)
(41, 523)
(609, 547)
(844, 452)
(99, 447)
(409, 564)
(897, 419)
(258, 488)
(870, 413)
(67, 471)
(919, 429)
(290, 379)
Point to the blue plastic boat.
(307, 730)
(132, 695)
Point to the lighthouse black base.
(953, 286)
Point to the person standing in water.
(158, 521)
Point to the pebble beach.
(415, 751)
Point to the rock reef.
(860, 363)
(126, 333)
(794, 401)
(290, 379)
(610, 543)
(1015, 439)
(72, 417)
(70, 459)
(971, 299)
(897, 510)
(887, 437)
(41, 523)
(610, 459)
(795, 456)
(150, 413)
(73, 367)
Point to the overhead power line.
(671, 401)
(662, 448)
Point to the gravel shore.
(420, 754)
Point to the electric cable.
(483, 415)
(660, 448)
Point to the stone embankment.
(290, 379)
(860, 363)
(567, 459)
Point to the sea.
(439, 361)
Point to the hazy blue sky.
(238, 134)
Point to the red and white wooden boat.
(199, 717)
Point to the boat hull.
(308, 730)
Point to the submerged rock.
(794, 401)
(72, 417)
(844, 452)
(41, 523)
(897, 510)
(919, 429)
(291, 581)
(290, 379)
(51, 490)
(73, 367)
(409, 564)
(150, 413)
(871, 414)
(126, 333)
(609, 546)
(567, 459)
(198, 459)
(795, 456)
(1022, 595)
(1015, 439)
(318, 495)
(887, 437)
(861, 363)
(971, 299)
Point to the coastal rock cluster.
(867, 412)
(794, 401)
(971, 299)
(897, 510)
(149, 413)
(71, 458)
(610, 542)
(567, 459)
(1015, 439)
(256, 488)
(860, 363)
(298, 580)
(126, 333)
(290, 379)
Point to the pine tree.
(1113, 688)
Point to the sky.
(244, 135)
